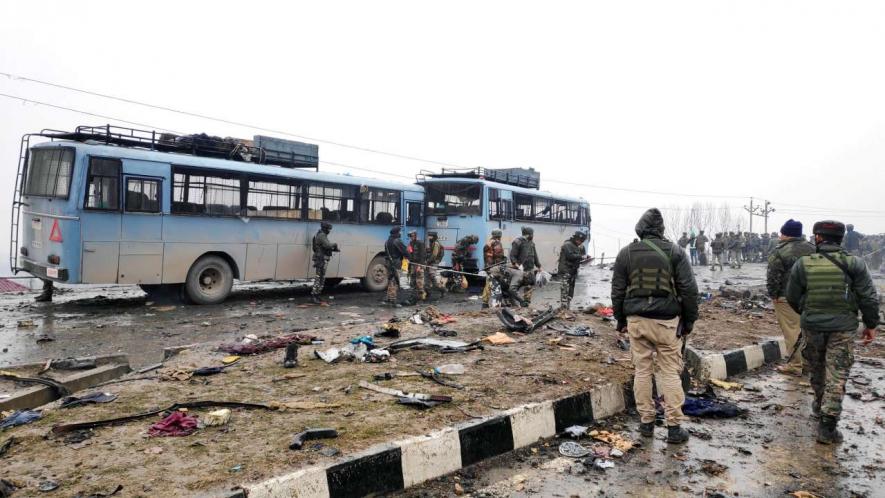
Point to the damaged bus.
(475, 201)
(190, 214)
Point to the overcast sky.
(778, 100)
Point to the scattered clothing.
(73, 401)
(175, 425)
(20, 417)
(712, 408)
(267, 345)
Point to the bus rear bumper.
(44, 272)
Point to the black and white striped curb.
(722, 365)
(394, 466)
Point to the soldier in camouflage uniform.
(395, 251)
(322, 253)
(571, 255)
(828, 289)
(493, 257)
(460, 255)
(791, 247)
(418, 256)
(435, 253)
(718, 246)
(523, 254)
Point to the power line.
(223, 120)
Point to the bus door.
(141, 242)
(100, 221)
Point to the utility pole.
(765, 212)
(753, 210)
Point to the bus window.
(49, 172)
(543, 209)
(142, 195)
(332, 203)
(380, 206)
(524, 206)
(199, 193)
(499, 209)
(267, 199)
(453, 198)
(103, 184)
(414, 216)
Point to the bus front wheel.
(376, 275)
(209, 281)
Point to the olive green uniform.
(322, 252)
(780, 262)
(828, 299)
(570, 256)
(523, 253)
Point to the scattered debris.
(728, 386)
(78, 437)
(153, 450)
(228, 360)
(26, 324)
(256, 346)
(217, 417)
(576, 431)
(20, 417)
(498, 339)
(73, 401)
(804, 494)
(6, 445)
(521, 323)
(103, 495)
(400, 394)
(574, 331)
(310, 435)
(618, 441)
(7, 488)
(299, 406)
(175, 425)
(73, 364)
(713, 408)
(572, 449)
(59, 388)
(450, 369)
(47, 486)
(441, 345)
(712, 467)
(602, 464)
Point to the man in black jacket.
(654, 297)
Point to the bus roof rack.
(519, 177)
(261, 150)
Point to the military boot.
(647, 429)
(291, 358)
(815, 408)
(827, 433)
(676, 434)
(44, 297)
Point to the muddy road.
(94, 320)
(768, 453)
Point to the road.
(770, 452)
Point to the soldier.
(701, 244)
(571, 255)
(692, 248)
(395, 251)
(763, 246)
(655, 301)
(435, 253)
(828, 289)
(494, 259)
(46, 295)
(683, 241)
(322, 253)
(852, 240)
(718, 248)
(791, 247)
(523, 254)
(417, 261)
(460, 256)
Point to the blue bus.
(463, 202)
(109, 205)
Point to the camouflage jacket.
(781, 261)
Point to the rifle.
(796, 347)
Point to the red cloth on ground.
(176, 424)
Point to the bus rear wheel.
(209, 281)
(376, 275)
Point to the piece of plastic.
(450, 369)
(542, 278)
(498, 339)
(572, 449)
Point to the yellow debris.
(728, 386)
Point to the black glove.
(335, 247)
(686, 329)
(622, 326)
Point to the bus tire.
(376, 275)
(209, 281)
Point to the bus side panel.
(141, 262)
(178, 257)
(358, 244)
(261, 262)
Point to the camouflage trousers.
(567, 288)
(416, 276)
(527, 285)
(392, 283)
(319, 280)
(829, 356)
(436, 280)
(494, 274)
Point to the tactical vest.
(494, 253)
(828, 289)
(437, 251)
(319, 253)
(652, 271)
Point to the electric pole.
(754, 211)
(765, 212)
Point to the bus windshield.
(453, 198)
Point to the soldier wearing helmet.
(494, 259)
(322, 253)
(524, 255)
(828, 289)
(571, 255)
(435, 254)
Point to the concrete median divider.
(721, 365)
